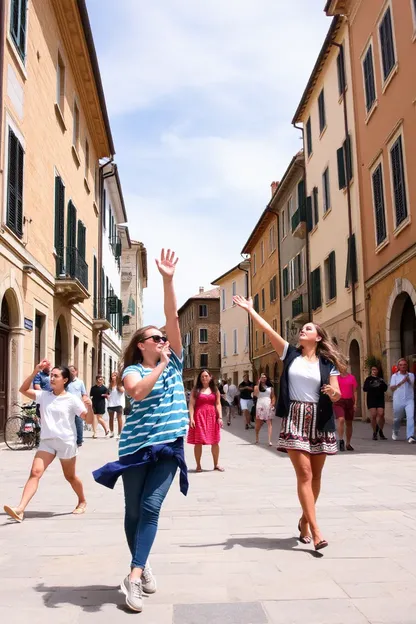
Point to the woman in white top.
(308, 388)
(58, 435)
(265, 405)
(115, 404)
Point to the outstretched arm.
(276, 339)
(166, 266)
(25, 387)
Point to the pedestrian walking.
(115, 404)
(375, 387)
(344, 410)
(99, 393)
(265, 406)
(231, 395)
(151, 443)
(205, 419)
(77, 388)
(402, 385)
(308, 389)
(58, 436)
(246, 389)
(225, 407)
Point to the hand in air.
(167, 263)
(242, 302)
(43, 364)
(165, 354)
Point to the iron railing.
(298, 217)
(297, 306)
(71, 265)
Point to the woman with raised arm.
(151, 443)
(265, 406)
(308, 388)
(58, 435)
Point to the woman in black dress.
(376, 387)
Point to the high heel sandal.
(304, 539)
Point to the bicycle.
(22, 431)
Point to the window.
(256, 303)
(203, 310)
(285, 280)
(18, 24)
(321, 109)
(223, 300)
(263, 339)
(60, 83)
(262, 252)
(298, 269)
(235, 342)
(234, 289)
(301, 195)
(87, 159)
(274, 324)
(352, 269)
(344, 161)
(39, 331)
(15, 185)
(263, 300)
(379, 205)
(315, 205)
(71, 239)
(283, 222)
(273, 289)
(316, 297)
(388, 57)
(75, 130)
(81, 238)
(308, 137)
(203, 335)
(254, 264)
(326, 195)
(272, 239)
(224, 344)
(398, 181)
(369, 79)
(330, 277)
(341, 71)
(203, 360)
(290, 212)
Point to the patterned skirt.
(299, 432)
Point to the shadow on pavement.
(262, 543)
(90, 598)
(34, 514)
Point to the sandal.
(80, 509)
(349, 447)
(305, 539)
(219, 468)
(320, 545)
(10, 511)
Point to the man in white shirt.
(232, 392)
(402, 385)
(77, 388)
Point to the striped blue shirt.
(162, 416)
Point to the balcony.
(101, 320)
(71, 276)
(299, 222)
(299, 314)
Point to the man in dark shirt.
(99, 393)
(246, 389)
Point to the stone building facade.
(133, 282)
(199, 320)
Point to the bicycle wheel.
(13, 433)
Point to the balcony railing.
(298, 217)
(71, 265)
(297, 306)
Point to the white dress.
(264, 408)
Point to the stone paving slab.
(226, 553)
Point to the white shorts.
(246, 404)
(63, 449)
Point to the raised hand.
(165, 354)
(43, 364)
(242, 302)
(167, 263)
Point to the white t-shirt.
(232, 392)
(58, 415)
(405, 393)
(305, 379)
(116, 398)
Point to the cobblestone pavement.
(226, 554)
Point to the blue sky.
(201, 96)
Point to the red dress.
(207, 429)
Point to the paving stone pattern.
(225, 554)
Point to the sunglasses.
(156, 339)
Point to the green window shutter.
(301, 193)
(18, 23)
(81, 239)
(95, 286)
(315, 205)
(332, 276)
(104, 208)
(71, 239)
(285, 282)
(120, 317)
(348, 158)
(59, 224)
(309, 219)
(103, 295)
(15, 185)
(352, 270)
(342, 182)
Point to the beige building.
(133, 281)
(326, 112)
(54, 129)
(235, 340)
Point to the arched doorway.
(408, 329)
(4, 359)
(61, 343)
(355, 365)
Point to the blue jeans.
(145, 489)
(401, 409)
(79, 423)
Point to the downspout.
(248, 290)
(307, 245)
(350, 232)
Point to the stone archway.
(61, 343)
(11, 348)
(400, 323)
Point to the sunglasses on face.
(156, 339)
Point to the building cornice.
(391, 266)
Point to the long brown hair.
(132, 354)
(327, 349)
(198, 386)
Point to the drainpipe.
(2, 39)
(346, 129)
(278, 264)
(100, 256)
(307, 245)
(249, 293)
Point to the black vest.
(325, 416)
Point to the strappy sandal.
(80, 509)
(320, 545)
(304, 539)
(219, 468)
(10, 511)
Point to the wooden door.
(4, 381)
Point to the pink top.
(347, 385)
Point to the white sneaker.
(394, 436)
(133, 592)
(111, 435)
(108, 434)
(148, 580)
(412, 440)
(118, 437)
